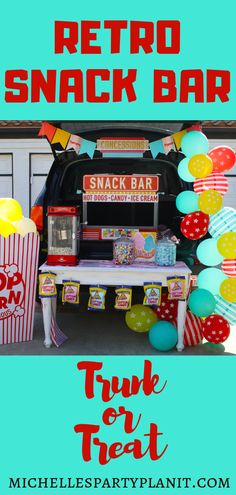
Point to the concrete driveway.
(92, 333)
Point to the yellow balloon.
(6, 228)
(200, 166)
(210, 202)
(25, 226)
(226, 245)
(10, 210)
(228, 289)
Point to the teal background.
(43, 398)
(207, 42)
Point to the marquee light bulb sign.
(104, 85)
(121, 188)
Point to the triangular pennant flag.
(74, 142)
(168, 144)
(178, 136)
(47, 130)
(156, 147)
(61, 137)
(87, 147)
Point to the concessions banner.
(112, 147)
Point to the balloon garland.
(204, 213)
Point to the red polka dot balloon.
(195, 225)
(168, 308)
(216, 329)
(229, 268)
(223, 158)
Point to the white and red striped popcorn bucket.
(18, 278)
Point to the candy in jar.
(123, 251)
(165, 252)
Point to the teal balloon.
(163, 336)
(183, 171)
(211, 279)
(187, 202)
(194, 143)
(208, 254)
(201, 302)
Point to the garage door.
(40, 164)
(6, 189)
(230, 197)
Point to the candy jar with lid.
(123, 251)
(165, 252)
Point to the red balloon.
(193, 334)
(195, 225)
(229, 268)
(223, 158)
(216, 329)
(168, 309)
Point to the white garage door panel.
(5, 187)
(230, 197)
(40, 166)
(5, 164)
(41, 163)
(36, 187)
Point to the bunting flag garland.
(87, 147)
(169, 144)
(47, 130)
(68, 141)
(157, 147)
(74, 142)
(61, 137)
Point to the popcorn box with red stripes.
(18, 277)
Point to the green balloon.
(215, 347)
(140, 318)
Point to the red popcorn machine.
(63, 235)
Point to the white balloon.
(25, 226)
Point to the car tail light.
(36, 215)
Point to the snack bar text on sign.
(120, 183)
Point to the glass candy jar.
(123, 251)
(165, 252)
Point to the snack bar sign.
(121, 188)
